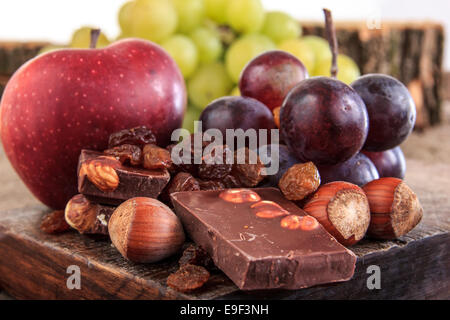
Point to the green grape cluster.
(213, 40)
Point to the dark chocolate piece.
(133, 182)
(260, 240)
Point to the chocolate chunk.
(260, 240)
(132, 182)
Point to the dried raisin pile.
(183, 181)
(248, 168)
(211, 185)
(188, 278)
(230, 182)
(155, 157)
(54, 223)
(300, 181)
(139, 136)
(216, 164)
(188, 166)
(126, 153)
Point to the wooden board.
(33, 265)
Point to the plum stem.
(332, 40)
(95, 34)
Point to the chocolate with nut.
(260, 240)
(105, 180)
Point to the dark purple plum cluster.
(352, 133)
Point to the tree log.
(411, 52)
(3, 81)
(14, 54)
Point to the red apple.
(64, 101)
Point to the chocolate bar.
(109, 182)
(260, 240)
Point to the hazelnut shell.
(395, 208)
(144, 230)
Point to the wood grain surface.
(33, 265)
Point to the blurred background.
(55, 20)
(403, 38)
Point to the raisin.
(138, 136)
(215, 165)
(54, 223)
(183, 167)
(197, 256)
(231, 182)
(183, 181)
(300, 181)
(126, 153)
(188, 278)
(155, 157)
(248, 168)
(211, 185)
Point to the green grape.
(243, 50)
(301, 50)
(348, 69)
(81, 38)
(235, 92)
(216, 10)
(50, 48)
(190, 14)
(184, 52)
(154, 20)
(192, 114)
(126, 17)
(280, 26)
(245, 16)
(208, 44)
(208, 83)
(320, 47)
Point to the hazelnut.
(87, 217)
(342, 209)
(145, 230)
(239, 196)
(268, 210)
(395, 208)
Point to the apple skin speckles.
(59, 98)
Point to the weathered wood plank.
(14, 54)
(33, 265)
